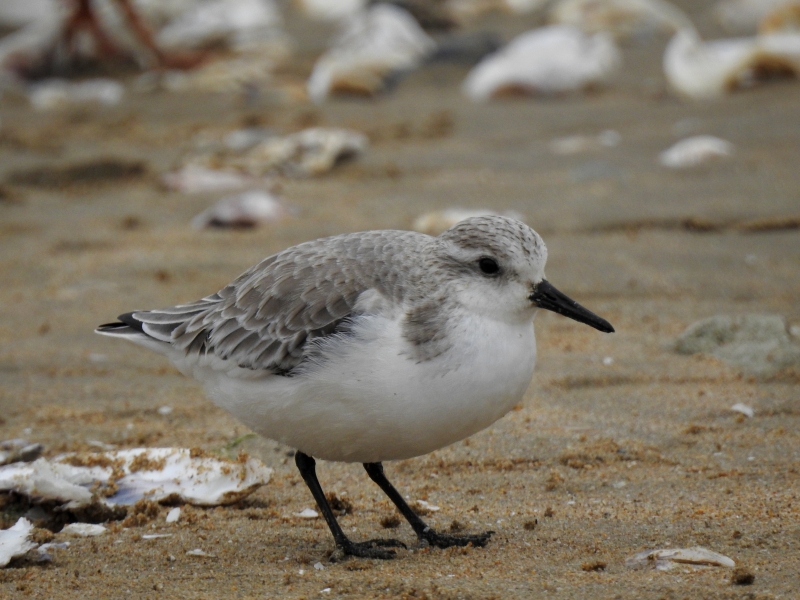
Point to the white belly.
(368, 402)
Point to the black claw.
(370, 549)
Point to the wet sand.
(599, 462)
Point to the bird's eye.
(488, 266)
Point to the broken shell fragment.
(307, 513)
(695, 151)
(548, 60)
(247, 209)
(704, 70)
(310, 152)
(83, 529)
(15, 541)
(743, 409)
(669, 558)
(127, 476)
(372, 46)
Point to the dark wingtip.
(125, 321)
(131, 321)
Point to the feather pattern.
(266, 318)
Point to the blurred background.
(151, 151)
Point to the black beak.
(546, 296)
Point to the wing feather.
(265, 319)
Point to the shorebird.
(369, 347)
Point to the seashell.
(152, 473)
(548, 60)
(372, 46)
(15, 541)
(247, 209)
(57, 93)
(695, 151)
(310, 152)
(83, 529)
(669, 558)
(705, 70)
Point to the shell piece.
(743, 409)
(548, 60)
(705, 70)
(173, 515)
(56, 93)
(235, 23)
(130, 475)
(306, 153)
(434, 223)
(371, 46)
(694, 151)
(14, 541)
(669, 558)
(248, 209)
(83, 529)
(620, 18)
(307, 513)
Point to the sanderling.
(368, 347)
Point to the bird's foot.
(443, 540)
(370, 549)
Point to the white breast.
(367, 401)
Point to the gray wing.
(265, 318)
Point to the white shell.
(173, 515)
(705, 70)
(744, 409)
(56, 93)
(310, 152)
(247, 209)
(669, 558)
(307, 513)
(14, 541)
(372, 45)
(157, 473)
(548, 60)
(83, 529)
(694, 151)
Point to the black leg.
(369, 549)
(375, 472)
